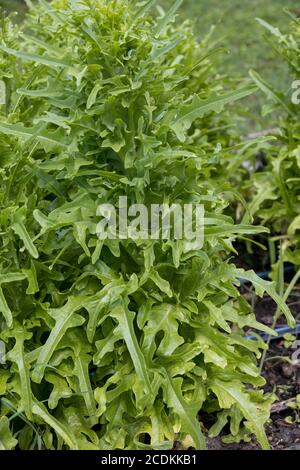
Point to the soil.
(266, 307)
(283, 379)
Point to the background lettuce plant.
(117, 344)
(276, 201)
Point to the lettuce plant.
(117, 343)
(276, 200)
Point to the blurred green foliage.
(238, 30)
(18, 6)
(242, 36)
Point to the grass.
(242, 36)
(238, 29)
(18, 6)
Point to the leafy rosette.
(117, 343)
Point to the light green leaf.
(189, 113)
(7, 441)
(35, 58)
(40, 410)
(65, 318)
(262, 286)
(270, 91)
(168, 17)
(125, 328)
(230, 393)
(186, 412)
(20, 230)
(17, 355)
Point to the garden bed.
(283, 379)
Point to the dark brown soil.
(266, 307)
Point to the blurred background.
(237, 30)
